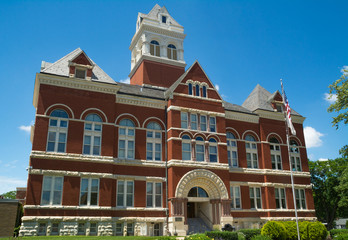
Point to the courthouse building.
(163, 153)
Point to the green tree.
(10, 195)
(325, 177)
(342, 190)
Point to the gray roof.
(236, 108)
(141, 90)
(61, 68)
(260, 98)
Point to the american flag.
(288, 110)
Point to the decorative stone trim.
(197, 97)
(85, 218)
(205, 133)
(244, 117)
(192, 110)
(94, 175)
(206, 179)
(269, 184)
(140, 101)
(274, 210)
(278, 116)
(186, 163)
(269, 172)
(99, 208)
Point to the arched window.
(190, 92)
(155, 48)
(153, 142)
(197, 90)
(57, 131)
(251, 152)
(213, 154)
(186, 147)
(232, 155)
(199, 149)
(126, 139)
(92, 134)
(275, 153)
(204, 91)
(171, 52)
(295, 156)
(197, 192)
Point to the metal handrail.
(206, 216)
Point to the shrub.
(249, 233)
(303, 226)
(274, 230)
(164, 238)
(334, 232)
(341, 236)
(261, 237)
(222, 235)
(240, 236)
(291, 229)
(316, 231)
(197, 237)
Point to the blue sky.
(238, 43)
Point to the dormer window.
(164, 19)
(80, 73)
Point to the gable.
(82, 59)
(278, 97)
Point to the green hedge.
(197, 237)
(341, 236)
(261, 237)
(316, 231)
(291, 230)
(275, 230)
(222, 235)
(334, 232)
(249, 233)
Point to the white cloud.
(25, 128)
(127, 80)
(10, 184)
(217, 87)
(323, 159)
(311, 156)
(312, 137)
(344, 70)
(330, 98)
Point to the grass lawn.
(84, 237)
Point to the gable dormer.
(81, 67)
(276, 101)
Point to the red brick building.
(164, 152)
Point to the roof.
(155, 11)
(260, 98)
(236, 108)
(141, 91)
(61, 68)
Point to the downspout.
(166, 165)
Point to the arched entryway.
(201, 194)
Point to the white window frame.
(215, 146)
(184, 121)
(154, 194)
(124, 193)
(276, 156)
(251, 150)
(295, 158)
(89, 191)
(81, 226)
(81, 69)
(155, 50)
(93, 233)
(153, 139)
(192, 122)
(212, 124)
(57, 130)
(42, 229)
(301, 202)
(92, 133)
(254, 198)
(127, 139)
(118, 227)
(172, 52)
(53, 228)
(202, 144)
(201, 123)
(52, 190)
(280, 198)
(130, 225)
(235, 194)
(186, 141)
(231, 148)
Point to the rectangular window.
(212, 124)
(55, 229)
(52, 190)
(130, 229)
(119, 229)
(193, 121)
(251, 154)
(280, 198)
(190, 92)
(186, 151)
(153, 194)
(93, 229)
(57, 132)
(92, 139)
(125, 193)
(213, 153)
(255, 197)
(296, 163)
(79, 73)
(235, 197)
(89, 192)
(203, 123)
(81, 229)
(199, 152)
(164, 19)
(42, 229)
(300, 199)
(232, 153)
(204, 91)
(197, 90)
(184, 120)
(276, 157)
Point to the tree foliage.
(340, 89)
(9, 195)
(326, 178)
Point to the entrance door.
(191, 210)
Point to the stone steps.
(196, 225)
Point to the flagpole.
(291, 174)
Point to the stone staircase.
(196, 225)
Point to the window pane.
(57, 196)
(122, 131)
(129, 187)
(53, 122)
(52, 136)
(94, 198)
(131, 132)
(83, 198)
(97, 127)
(58, 184)
(63, 123)
(149, 188)
(45, 198)
(149, 202)
(47, 183)
(158, 201)
(158, 188)
(88, 126)
(129, 200)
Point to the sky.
(239, 44)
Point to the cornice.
(273, 210)
(278, 116)
(193, 110)
(269, 172)
(140, 101)
(269, 184)
(195, 164)
(197, 97)
(244, 117)
(96, 219)
(99, 208)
